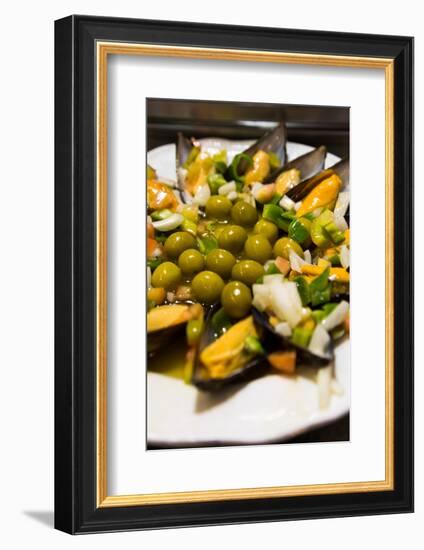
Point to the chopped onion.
(319, 341)
(260, 296)
(227, 188)
(232, 195)
(285, 301)
(287, 203)
(344, 256)
(202, 195)
(342, 204)
(256, 186)
(336, 317)
(324, 378)
(274, 277)
(170, 223)
(283, 329)
(307, 256)
(341, 223)
(296, 262)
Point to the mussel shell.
(157, 340)
(184, 146)
(308, 164)
(273, 141)
(276, 342)
(300, 191)
(201, 378)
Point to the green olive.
(220, 261)
(247, 271)
(207, 286)
(218, 206)
(244, 213)
(232, 238)
(166, 275)
(177, 242)
(266, 228)
(236, 299)
(257, 247)
(283, 246)
(191, 261)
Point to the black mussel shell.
(160, 338)
(256, 367)
(276, 342)
(308, 164)
(184, 146)
(300, 191)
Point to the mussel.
(223, 359)
(226, 359)
(167, 322)
(307, 165)
(273, 141)
(299, 192)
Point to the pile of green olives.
(242, 243)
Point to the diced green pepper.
(318, 315)
(215, 181)
(233, 168)
(320, 282)
(276, 198)
(300, 230)
(319, 297)
(301, 336)
(303, 289)
(253, 345)
(277, 215)
(335, 234)
(320, 289)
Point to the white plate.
(272, 408)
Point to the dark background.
(312, 125)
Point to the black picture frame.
(76, 509)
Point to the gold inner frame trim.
(104, 49)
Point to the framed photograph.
(234, 274)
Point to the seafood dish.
(248, 263)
